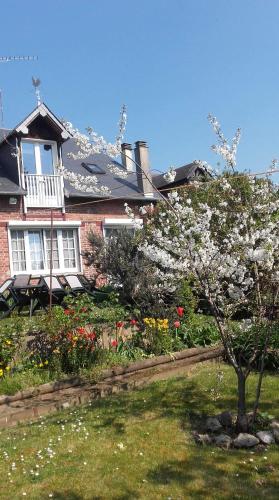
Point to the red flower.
(177, 324)
(133, 322)
(180, 311)
(83, 309)
(81, 330)
(114, 343)
(91, 336)
(67, 312)
(119, 324)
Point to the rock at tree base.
(213, 424)
(245, 440)
(202, 439)
(266, 437)
(225, 419)
(223, 440)
(275, 430)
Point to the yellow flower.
(46, 362)
(8, 342)
(8, 368)
(1, 372)
(40, 365)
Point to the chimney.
(127, 157)
(143, 170)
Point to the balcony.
(44, 191)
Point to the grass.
(138, 445)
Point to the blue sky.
(171, 62)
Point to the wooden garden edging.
(48, 398)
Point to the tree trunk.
(242, 420)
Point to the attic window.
(93, 168)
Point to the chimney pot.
(143, 169)
(127, 156)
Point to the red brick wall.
(91, 217)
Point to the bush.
(249, 339)
(134, 276)
(10, 342)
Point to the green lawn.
(138, 445)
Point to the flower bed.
(84, 338)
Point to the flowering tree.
(224, 235)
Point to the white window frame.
(118, 224)
(43, 226)
(38, 163)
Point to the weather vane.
(36, 84)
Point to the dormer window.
(39, 157)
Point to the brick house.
(31, 188)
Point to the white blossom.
(170, 175)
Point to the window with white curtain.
(31, 250)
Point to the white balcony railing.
(44, 190)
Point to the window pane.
(55, 255)
(36, 250)
(112, 231)
(68, 239)
(28, 157)
(18, 251)
(46, 159)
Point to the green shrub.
(199, 330)
(249, 339)
(10, 342)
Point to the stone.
(202, 439)
(225, 419)
(245, 440)
(274, 425)
(223, 440)
(212, 424)
(276, 435)
(65, 405)
(266, 437)
(275, 430)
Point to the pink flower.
(114, 343)
(133, 322)
(177, 324)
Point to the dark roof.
(8, 187)
(184, 174)
(121, 188)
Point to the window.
(39, 157)
(114, 230)
(93, 168)
(18, 251)
(112, 227)
(31, 250)
(69, 251)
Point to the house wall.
(91, 217)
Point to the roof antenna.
(36, 84)
(4, 59)
(1, 110)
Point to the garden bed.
(50, 397)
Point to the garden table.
(28, 293)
